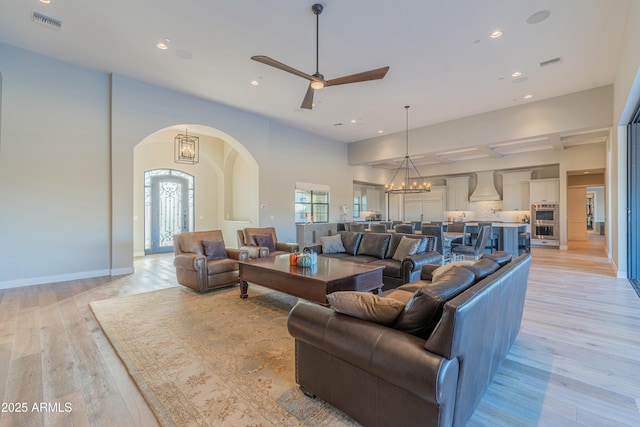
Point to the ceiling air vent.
(47, 21)
(553, 61)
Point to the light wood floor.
(576, 361)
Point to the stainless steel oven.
(544, 212)
(545, 224)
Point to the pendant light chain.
(419, 185)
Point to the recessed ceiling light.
(161, 46)
(516, 74)
(380, 131)
(528, 96)
(538, 17)
(354, 121)
(45, 1)
(255, 82)
(495, 34)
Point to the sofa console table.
(309, 234)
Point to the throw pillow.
(350, 240)
(406, 247)
(265, 240)
(440, 270)
(332, 244)
(214, 249)
(366, 306)
(374, 244)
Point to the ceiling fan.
(316, 80)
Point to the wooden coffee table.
(310, 283)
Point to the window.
(311, 205)
(356, 206)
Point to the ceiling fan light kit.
(316, 80)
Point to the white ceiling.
(442, 61)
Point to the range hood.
(485, 188)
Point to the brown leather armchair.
(253, 240)
(203, 262)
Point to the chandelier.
(186, 148)
(406, 184)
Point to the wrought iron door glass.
(169, 208)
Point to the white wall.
(67, 166)
(54, 170)
(626, 96)
(591, 109)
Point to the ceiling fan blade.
(307, 102)
(284, 67)
(359, 77)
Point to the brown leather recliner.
(203, 262)
(250, 238)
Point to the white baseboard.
(8, 284)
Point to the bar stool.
(524, 242)
(492, 240)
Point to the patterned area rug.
(213, 359)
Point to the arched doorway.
(224, 194)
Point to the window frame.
(311, 209)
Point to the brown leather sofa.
(432, 375)
(378, 248)
(247, 241)
(203, 262)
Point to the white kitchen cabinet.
(425, 207)
(545, 191)
(458, 193)
(515, 191)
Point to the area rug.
(213, 359)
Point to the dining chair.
(378, 228)
(476, 250)
(492, 240)
(458, 227)
(357, 227)
(436, 231)
(405, 228)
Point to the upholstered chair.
(492, 240)
(459, 227)
(474, 252)
(356, 227)
(262, 242)
(435, 230)
(203, 262)
(405, 228)
(378, 228)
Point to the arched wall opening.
(226, 180)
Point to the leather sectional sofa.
(379, 248)
(433, 364)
